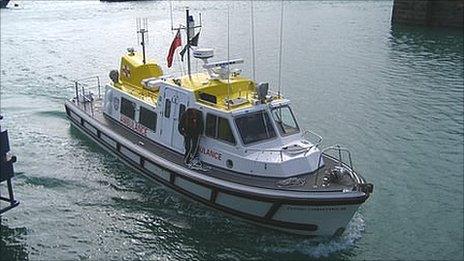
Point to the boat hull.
(305, 213)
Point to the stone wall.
(429, 12)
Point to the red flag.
(175, 43)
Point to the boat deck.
(309, 179)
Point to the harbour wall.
(428, 12)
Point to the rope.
(280, 49)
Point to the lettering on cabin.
(210, 153)
(128, 122)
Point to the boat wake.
(315, 247)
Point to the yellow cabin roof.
(131, 73)
(222, 90)
(215, 93)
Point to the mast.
(189, 28)
(228, 57)
(280, 46)
(142, 29)
(187, 22)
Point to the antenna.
(170, 11)
(142, 32)
(253, 41)
(280, 49)
(228, 58)
(0, 101)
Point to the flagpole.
(188, 41)
(181, 62)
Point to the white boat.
(253, 161)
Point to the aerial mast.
(142, 31)
(190, 32)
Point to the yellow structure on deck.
(207, 90)
(235, 93)
(131, 73)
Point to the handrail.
(319, 137)
(341, 163)
(83, 81)
(340, 149)
(80, 92)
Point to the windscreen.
(255, 127)
(285, 121)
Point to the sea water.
(392, 94)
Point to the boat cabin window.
(148, 118)
(167, 108)
(128, 108)
(208, 97)
(219, 128)
(255, 127)
(181, 110)
(285, 121)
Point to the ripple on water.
(316, 248)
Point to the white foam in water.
(317, 248)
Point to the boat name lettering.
(139, 128)
(210, 152)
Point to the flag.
(175, 43)
(193, 42)
(183, 52)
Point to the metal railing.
(307, 133)
(340, 151)
(83, 91)
(95, 84)
(346, 165)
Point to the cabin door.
(175, 103)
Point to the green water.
(394, 95)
